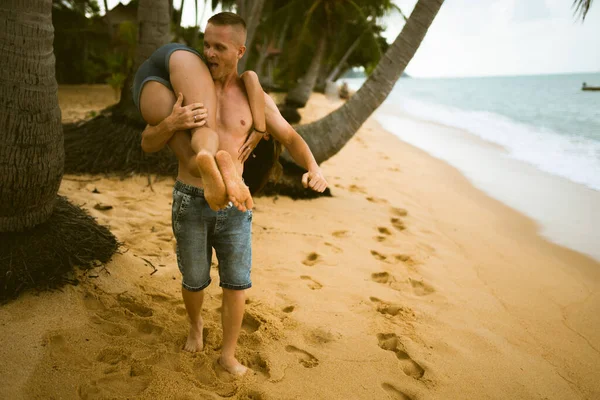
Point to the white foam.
(569, 156)
(568, 213)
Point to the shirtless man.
(198, 228)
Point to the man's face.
(223, 48)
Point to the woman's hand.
(249, 145)
(187, 117)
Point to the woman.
(176, 68)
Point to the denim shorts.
(156, 68)
(198, 229)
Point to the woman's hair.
(264, 167)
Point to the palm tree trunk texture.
(328, 135)
(32, 154)
(299, 95)
(153, 31)
(42, 235)
(111, 142)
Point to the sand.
(407, 284)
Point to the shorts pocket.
(180, 204)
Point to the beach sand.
(407, 284)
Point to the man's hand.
(314, 180)
(187, 117)
(249, 145)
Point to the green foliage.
(81, 7)
(341, 21)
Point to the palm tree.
(328, 20)
(42, 235)
(111, 141)
(251, 11)
(582, 7)
(341, 124)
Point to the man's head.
(224, 41)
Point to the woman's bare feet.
(238, 192)
(233, 366)
(194, 341)
(214, 187)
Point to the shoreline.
(567, 212)
(409, 283)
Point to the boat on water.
(590, 88)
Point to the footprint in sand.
(381, 277)
(376, 200)
(312, 259)
(406, 259)
(288, 309)
(400, 212)
(109, 328)
(391, 342)
(335, 248)
(392, 309)
(378, 256)
(394, 392)
(257, 363)
(320, 336)
(340, 234)
(383, 230)
(357, 189)
(314, 285)
(111, 356)
(398, 223)
(122, 384)
(250, 323)
(380, 238)
(305, 358)
(133, 306)
(421, 288)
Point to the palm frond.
(582, 7)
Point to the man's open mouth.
(212, 65)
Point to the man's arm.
(281, 130)
(154, 138)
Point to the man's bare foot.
(194, 341)
(214, 187)
(233, 366)
(238, 192)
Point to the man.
(197, 228)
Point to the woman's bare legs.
(190, 76)
(156, 104)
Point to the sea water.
(543, 143)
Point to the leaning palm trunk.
(336, 70)
(299, 95)
(328, 135)
(41, 235)
(111, 142)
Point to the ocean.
(532, 142)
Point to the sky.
(491, 37)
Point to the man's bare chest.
(233, 114)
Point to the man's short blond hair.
(230, 19)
